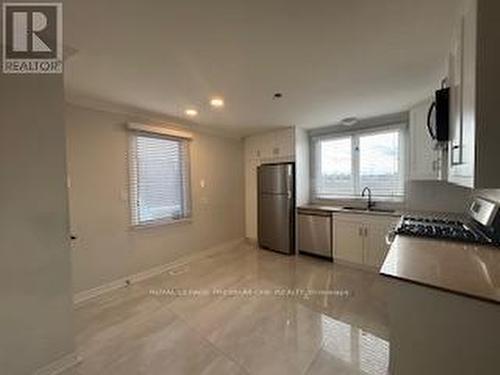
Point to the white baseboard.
(60, 365)
(86, 295)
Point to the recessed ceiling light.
(191, 112)
(217, 102)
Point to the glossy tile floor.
(223, 325)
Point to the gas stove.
(439, 228)
(482, 225)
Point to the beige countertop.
(466, 269)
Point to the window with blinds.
(159, 178)
(336, 174)
(345, 164)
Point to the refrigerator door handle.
(290, 180)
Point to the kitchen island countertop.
(462, 268)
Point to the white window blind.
(345, 164)
(336, 175)
(159, 178)
(380, 164)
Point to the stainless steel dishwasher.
(315, 232)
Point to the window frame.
(355, 136)
(186, 190)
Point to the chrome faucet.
(370, 202)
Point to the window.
(336, 177)
(159, 178)
(345, 164)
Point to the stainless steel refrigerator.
(276, 207)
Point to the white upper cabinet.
(283, 144)
(425, 161)
(271, 147)
(474, 111)
(462, 78)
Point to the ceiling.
(331, 59)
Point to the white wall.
(302, 161)
(444, 197)
(106, 248)
(437, 196)
(36, 310)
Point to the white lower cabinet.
(360, 239)
(348, 241)
(376, 247)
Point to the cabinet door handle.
(360, 231)
(366, 232)
(456, 159)
(389, 237)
